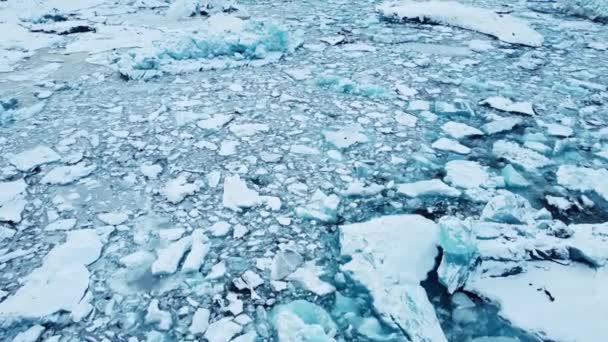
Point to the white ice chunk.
(583, 179)
(501, 125)
(507, 207)
(178, 188)
(198, 252)
(521, 156)
(237, 195)
(200, 321)
(222, 330)
(151, 170)
(302, 321)
(60, 283)
(433, 187)
(182, 9)
(12, 200)
(321, 207)
(390, 256)
(63, 175)
(216, 122)
(154, 315)
(465, 174)
(559, 303)
(459, 130)
(247, 130)
(113, 219)
(507, 105)
(169, 257)
(346, 137)
(285, 261)
(502, 26)
(591, 242)
(307, 277)
(33, 158)
(66, 224)
(30, 335)
(449, 145)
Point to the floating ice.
(247, 130)
(302, 321)
(593, 9)
(200, 321)
(198, 252)
(433, 187)
(113, 219)
(237, 195)
(507, 105)
(513, 178)
(449, 145)
(12, 200)
(390, 256)
(30, 335)
(63, 175)
(177, 189)
(507, 207)
(60, 283)
(583, 179)
(459, 252)
(321, 207)
(162, 319)
(307, 277)
(30, 159)
(501, 125)
(169, 257)
(502, 26)
(465, 174)
(222, 330)
(521, 156)
(459, 130)
(561, 303)
(346, 137)
(67, 224)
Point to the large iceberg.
(504, 27)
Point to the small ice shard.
(183, 9)
(151, 171)
(465, 174)
(390, 256)
(60, 283)
(198, 252)
(507, 207)
(113, 219)
(419, 105)
(249, 280)
(459, 130)
(320, 207)
(527, 159)
(304, 150)
(237, 195)
(285, 261)
(513, 178)
(459, 252)
(66, 224)
(169, 257)
(300, 74)
(248, 130)
(346, 137)
(583, 179)
(307, 277)
(449, 145)
(30, 159)
(433, 187)
(222, 330)
(216, 122)
(502, 26)
(178, 188)
(12, 200)
(251, 336)
(507, 105)
(549, 299)
(30, 335)
(154, 315)
(200, 321)
(501, 125)
(63, 175)
(217, 271)
(300, 320)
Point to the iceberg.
(390, 256)
(460, 254)
(502, 26)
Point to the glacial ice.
(458, 242)
(433, 187)
(390, 256)
(302, 321)
(59, 283)
(507, 105)
(29, 159)
(583, 179)
(504, 27)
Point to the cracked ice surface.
(303, 170)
